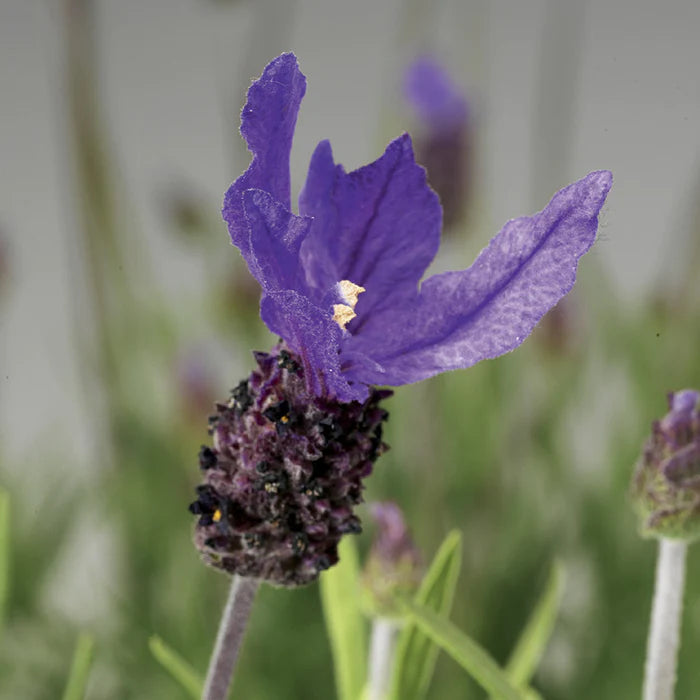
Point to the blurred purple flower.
(438, 102)
(374, 231)
(394, 564)
(444, 141)
(393, 542)
(195, 382)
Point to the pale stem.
(228, 640)
(664, 631)
(381, 657)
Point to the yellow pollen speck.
(344, 313)
(284, 419)
(217, 516)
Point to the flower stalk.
(381, 657)
(664, 631)
(228, 640)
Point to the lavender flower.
(340, 287)
(444, 142)
(666, 482)
(379, 228)
(394, 565)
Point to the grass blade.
(528, 650)
(344, 622)
(183, 673)
(80, 668)
(465, 651)
(416, 653)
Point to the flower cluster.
(283, 475)
(341, 287)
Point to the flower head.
(341, 287)
(283, 475)
(378, 228)
(394, 565)
(444, 138)
(666, 482)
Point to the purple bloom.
(439, 103)
(444, 140)
(378, 227)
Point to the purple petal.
(378, 226)
(315, 337)
(463, 317)
(439, 103)
(275, 237)
(267, 124)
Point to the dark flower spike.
(379, 227)
(444, 140)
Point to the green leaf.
(465, 651)
(416, 654)
(528, 651)
(4, 552)
(80, 668)
(176, 666)
(340, 596)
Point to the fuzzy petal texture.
(378, 226)
(463, 317)
(315, 337)
(267, 124)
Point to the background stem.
(381, 657)
(664, 632)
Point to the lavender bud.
(666, 482)
(283, 475)
(444, 140)
(394, 564)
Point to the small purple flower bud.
(284, 474)
(666, 483)
(195, 384)
(394, 565)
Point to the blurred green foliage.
(529, 456)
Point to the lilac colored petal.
(275, 237)
(315, 337)
(463, 317)
(267, 124)
(683, 466)
(378, 226)
(439, 103)
(684, 401)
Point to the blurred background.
(124, 313)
